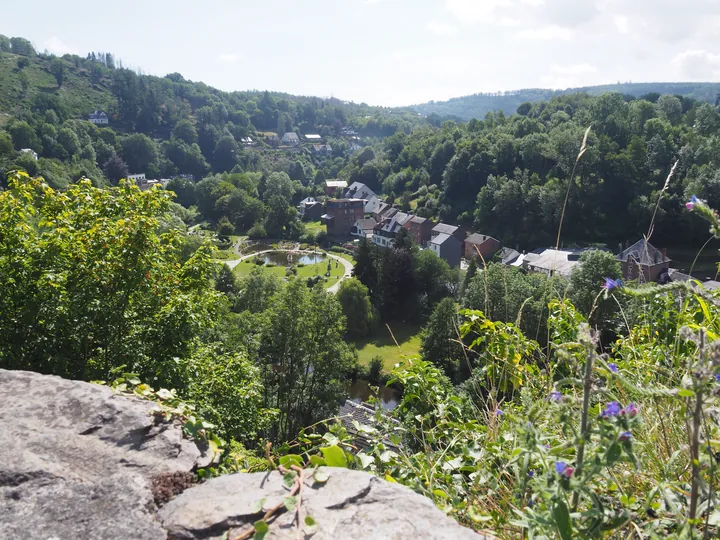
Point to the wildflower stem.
(695, 441)
(587, 387)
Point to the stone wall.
(77, 461)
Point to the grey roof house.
(447, 247)
(644, 261)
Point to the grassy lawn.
(314, 227)
(244, 268)
(225, 255)
(381, 344)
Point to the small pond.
(288, 258)
(360, 391)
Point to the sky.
(387, 52)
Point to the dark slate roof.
(508, 255)
(307, 200)
(445, 228)
(441, 238)
(418, 220)
(364, 415)
(359, 190)
(477, 238)
(374, 205)
(643, 253)
(367, 224)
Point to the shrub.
(257, 231)
(376, 365)
(303, 246)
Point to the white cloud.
(698, 65)
(55, 46)
(441, 28)
(622, 23)
(545, 33)
(576, 69)
(229, 58)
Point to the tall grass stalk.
(583, 149)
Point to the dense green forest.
(478, 105)
(503, 175)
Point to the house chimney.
(664, 253)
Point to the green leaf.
(561, 515)
(476, 516)
(365, 460)
(686, 392)
(334, 456)
(290, 460)
(613, 453)
(261, 529)
(311, 525)
(258, 506)
(317, 460)
(289, 479)
(290, 502)
(321, 477)
(440, 493)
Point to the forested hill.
(478, 105)
(160, 126)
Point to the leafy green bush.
(257, 232)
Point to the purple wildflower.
(611, 284)
(611, 409)
(531, 473)
(555, 396)
(499, 411)
(613, 367)
(691, 204)
(717, 378)
(624, 436)
(569, 471)
(630, 409)
(560, 467)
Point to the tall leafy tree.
(355, 301)
(57, 68)
(441, 343)
(304, 359)
(88, 285)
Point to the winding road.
(346, 264)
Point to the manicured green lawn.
(381, 344)
(244, 268)
(225, 255)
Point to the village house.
(332, 186)
(551, 261)
(358, 190)
(377, 208)
(447, 247)
(354, 147)
(385, 231)
(247, 141)
(137, 178)
(364, 228)
(420, 229)
(273, 140)
(452, 230)
(98, 118)
(509, 256)
(643, 261)
(313, 137)
(341, 215)
(291, 139)
(310, 209)
(481, 245)
(321, 150)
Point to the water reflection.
(360, 391)
(287, 258)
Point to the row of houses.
(361, 213)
